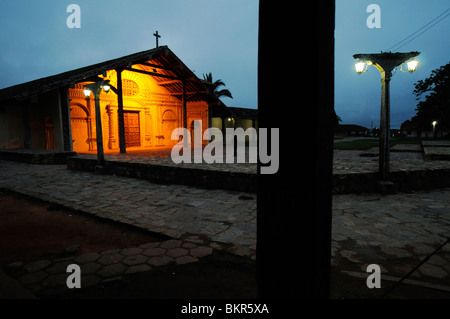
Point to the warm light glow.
(106, 87)
(434, 123)
(87, 92)
(412, 64)
(359, 66)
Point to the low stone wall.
(213, 179)
(401, 181)
(356, 183)
(41, 157)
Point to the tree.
(435, 105)
(217, 84)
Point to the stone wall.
(35, 156)
(213, 179)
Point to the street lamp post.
(434, 128)
(97, 88)
(385, 63)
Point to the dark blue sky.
(220, 36)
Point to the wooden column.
(65, 118)
(122, 143)
(184, 106)
(26, 124)
(185, 138)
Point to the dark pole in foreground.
(293, 253)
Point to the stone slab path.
(49, 277)
(227, 219)
(396, 231)
(350, 162)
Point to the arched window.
(129, 88)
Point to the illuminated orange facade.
(151, 113)
(158, 94)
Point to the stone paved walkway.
(348, 162)
(49, 277)
(227, 219)
(395, 231)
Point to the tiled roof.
(171, 66)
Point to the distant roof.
(244, 113)
(222, 110)
(159, 60)
(341, 127)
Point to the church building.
(150, 94)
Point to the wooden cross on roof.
(156, 36)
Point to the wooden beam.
(156, 66)
(153, 73)
(188, 93)
(168, 82)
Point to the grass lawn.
(365, 144)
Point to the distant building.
(351, 130)
(411, 128)
(233, 117)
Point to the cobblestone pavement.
(226, 218)
(347, 162)
(49, 277)
(395, 231)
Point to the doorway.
(132, 129)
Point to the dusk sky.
(221, 36)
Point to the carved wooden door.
(132, 129)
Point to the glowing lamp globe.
(412, 64)
(359, 66)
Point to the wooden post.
(184, 106)
(185, 138)
(122, 142)
(26, 124)
(65, 118)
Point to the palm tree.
(216, 85)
